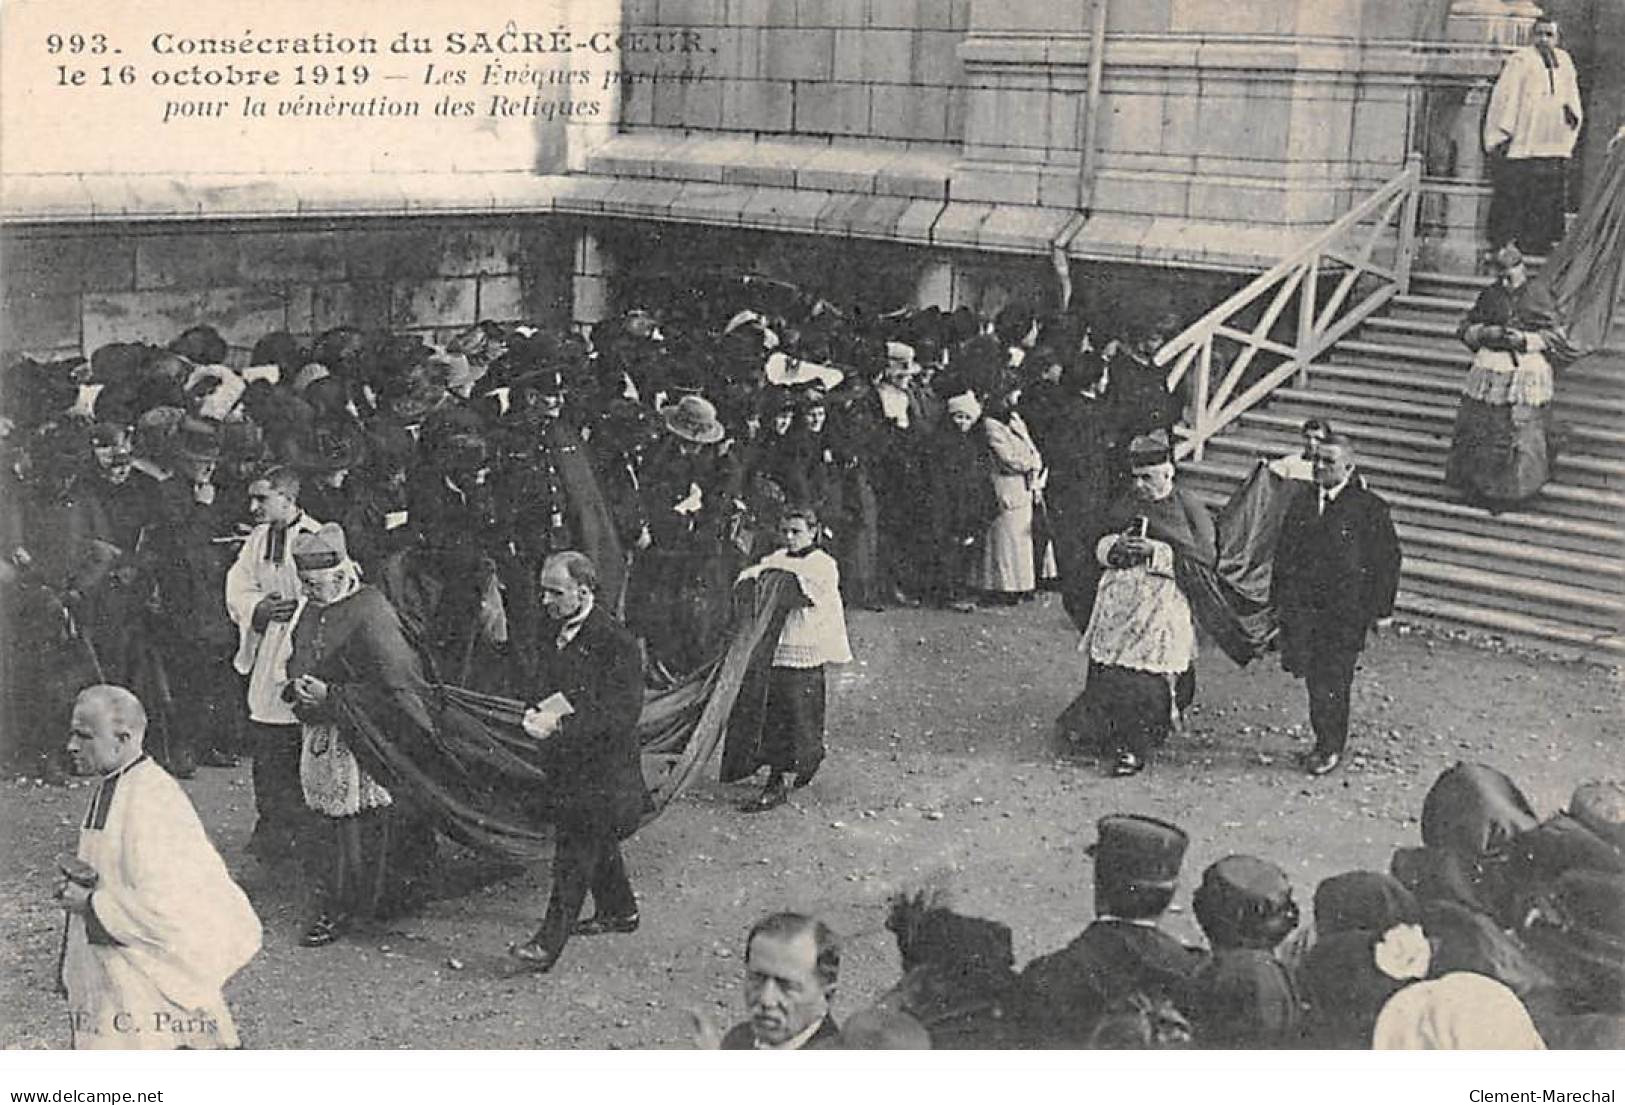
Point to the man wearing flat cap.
(1141, 636)
(1122, 953)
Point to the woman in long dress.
(1006, 570)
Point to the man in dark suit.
(1122, 958)
(791, 964)
(1336, 573)
(590, 660)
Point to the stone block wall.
(856, 70)
(1273, 112)
(72, 288)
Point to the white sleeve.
(1501, 117)
(243, 590)
(1103, 548)
(1162, 559)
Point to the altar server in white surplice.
(156, 926)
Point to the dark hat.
(1140, 850)
(118, 360)
(200, 345)
(155, 427)
(1600, 807)
(242, 439)
(326, 450)
(323, 549)
(1368, 900)
(279, 348)
(104, 434)
(810, 395)
(390, 445)
(1149, 449)
(1245, 901)
(930, 933)
(772, 400)
(692, 418)
(197, 439)
(1508, 257)
(1474, 810)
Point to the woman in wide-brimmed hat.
(679, 592)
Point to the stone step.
(1282, 434)
(1431, 305)
(1596, 538)
(1420, 384)
(1569, 641)
(1452, 356)
(1602, 574)
(1538, 598)
(1386, 474)
(1329, 402)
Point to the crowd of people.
(946, 459)
(1501, 931)
(479, 589)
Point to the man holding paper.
(589, 692)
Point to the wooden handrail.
(1408, 180)
(1318, 325)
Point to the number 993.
(76, 44)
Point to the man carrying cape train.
(156, 926)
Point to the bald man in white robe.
(156, 926)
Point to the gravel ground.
(941, 772)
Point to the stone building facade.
(930, 151)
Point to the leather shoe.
(1126, 764)
(323, 931)
(600, 925)
(534, 956)
(1321, 763)
(216, 758)
(776, 794)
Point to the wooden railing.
(1332, 284)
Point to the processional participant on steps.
(1501, 453)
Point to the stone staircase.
(1552, 574)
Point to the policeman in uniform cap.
(1122, 953)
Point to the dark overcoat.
(1335, 573)
(595, 751)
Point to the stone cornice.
(1262, 56)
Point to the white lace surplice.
(333, 782)
(1141, 618)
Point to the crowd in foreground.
(1501, 931)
